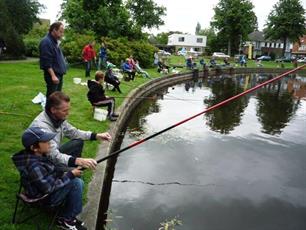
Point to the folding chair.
(36, 205)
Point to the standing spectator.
(52, 60)
(89, 55)
(102, 56)
(156, 58)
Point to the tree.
(146, 13)
(286, 22)
(198, 28)
(17, 18)
(112, 18)
(234, 19)
(212, 42)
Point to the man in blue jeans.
(51, 58)
(41, 178)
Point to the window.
(181, 39)
(279, 45)
(266, 44)
(199, 40)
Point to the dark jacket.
(51, 55)
(38, 174)
(96, 92)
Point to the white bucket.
(100, 114)
(77, 80)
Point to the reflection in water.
(226, 118)
(242, 168)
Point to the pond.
(242, 166)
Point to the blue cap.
(34, 135)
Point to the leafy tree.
(146, 13)
(212, 43)
(286, 22)
(110, 18)
(234, 19)
(198, 28)
(17, 18)
(162, 38)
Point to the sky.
(181, 15)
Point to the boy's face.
(43, 148)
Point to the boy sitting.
(39, 177)
(96, 96)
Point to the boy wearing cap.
(39, 177)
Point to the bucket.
(100, 114)
(77, 80)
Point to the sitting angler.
(96, 96)
(111, 78)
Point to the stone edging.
(90, 211)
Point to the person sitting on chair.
(96, 96)
(41, 178)
(140, 70)
(111, 78)
(127, 68)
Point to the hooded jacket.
(96, 92)
(38, 174)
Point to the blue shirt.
(51, 56)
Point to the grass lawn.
(20, 82)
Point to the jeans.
(51, 87)
(71, 195)
(87, 68)
(102, 62)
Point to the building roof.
(259, 36)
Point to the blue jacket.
(51, 55)
(39, 175)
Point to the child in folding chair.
(39, 176)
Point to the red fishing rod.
(116, 153)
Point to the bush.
(73, 44)
(117, 49)
(31, 47)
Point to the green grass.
(20, 82)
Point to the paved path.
(28, 59)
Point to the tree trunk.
(229, 47)
(285, 44)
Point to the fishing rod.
(154, 97)
(116, 153)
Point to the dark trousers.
(109, 102)
(87, 68)
(73, 148)
(51, 87)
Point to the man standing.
(52, 60)
(89, 55)
(53, 120)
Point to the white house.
(187, 41)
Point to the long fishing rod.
(154, 97)
(116, 153)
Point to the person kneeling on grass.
(40, 176)
(96, 96)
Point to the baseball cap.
(33, 135)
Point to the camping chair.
(33, 205)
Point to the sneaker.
(69, 224)
(79, 222)
(111, 118)
(115, 115)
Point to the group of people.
(49, 168)
(131, 67)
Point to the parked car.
(283, 59)
(220, 55)
(164, 53)
(264, 58)
(302, 60)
